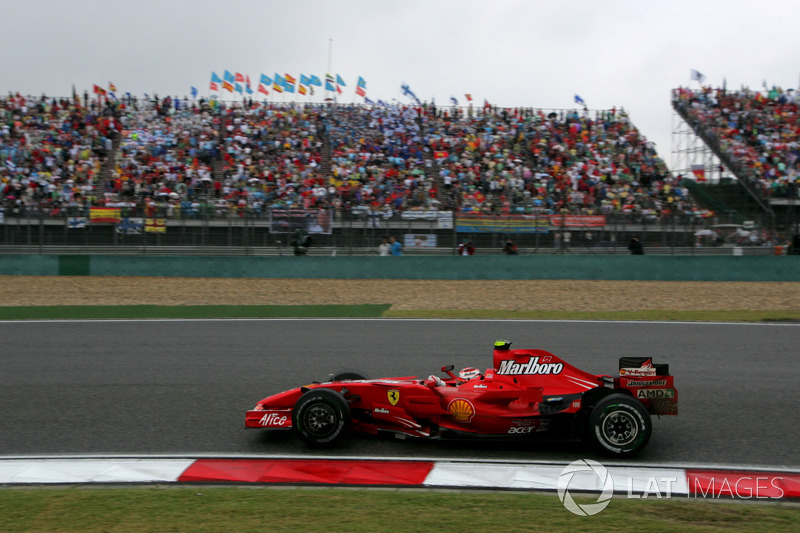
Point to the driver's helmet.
(469, 373)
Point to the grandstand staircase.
(746, 178)
(218, 163)
(326, 169)
(106, 177)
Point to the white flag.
(696, 75)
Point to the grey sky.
(532, 53)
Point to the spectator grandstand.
(180, 159)
(757, 131)
(174, 155)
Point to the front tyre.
(619, 425)
(320, 417)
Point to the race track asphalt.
(181, 387)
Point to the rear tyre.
(320, 417)
(619, 425)
(349, 374)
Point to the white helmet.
(469, 373)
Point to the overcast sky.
(531, 53)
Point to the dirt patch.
(534, 295)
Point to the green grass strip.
(661, 315)
(188, 311)
(258, 509)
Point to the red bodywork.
(527, 392)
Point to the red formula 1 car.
(527, 394)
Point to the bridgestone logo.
(509, 367)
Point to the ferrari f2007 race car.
(526, 394)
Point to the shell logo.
(461, 410)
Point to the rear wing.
(650, 383)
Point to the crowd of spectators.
(757, 129)
(180, 157)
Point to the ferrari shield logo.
(394, 396)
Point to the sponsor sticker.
(646, 383)
(635, 372)
(393, 395)
(655, 393)
(461, 410)
(532, 367)
(381, 410)
(274, 420)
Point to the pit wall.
(645, 268)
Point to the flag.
(288, 87)
(99, 90)
(112, 87)
(228, 86)
(368, 101)
(340, 81)
(290, 79)
(194, 92)
(305, 80)
(486, 104)
(104, 215)
(579, 101)
(697, 76)
(361, 92)
(262, 89)
(213, 86)
(315, 81)
(453, 99)
(247, 80)
(302, 89)
(468, 97)
(277, 87)
(215, 78)
(239, 78)
(288, 83)
(155, 225)
(248, 89)
(229, 77)
(329, 83)
(361, 87)
(440, 155)
(408, 92)
(265, 80)
(699, 172)
(238, 88)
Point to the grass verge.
(241, 509)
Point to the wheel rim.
(619, 428)
(320, 420)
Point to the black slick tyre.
(349, 374)
(321, 417)
(619, 425)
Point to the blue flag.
(215, 78)
(579, 100)
(265, 80)
(315, 81)
(194, 92)
(408, 92)
(453, 99)
(340, 81)
(230, 78)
